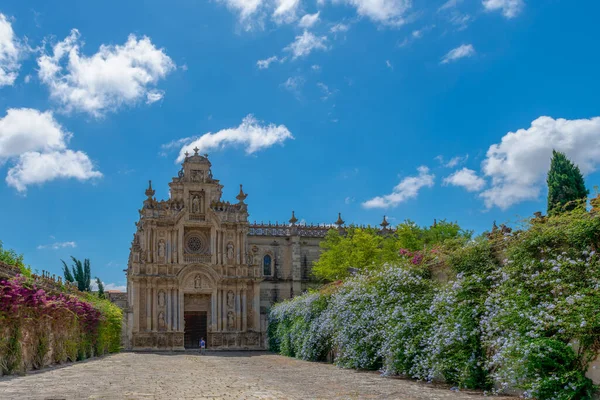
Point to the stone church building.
(198, 268)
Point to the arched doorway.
(196, 317)
(199, 292)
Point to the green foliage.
(108, 337)
(100, 288)
(512, 310)
(10, 257)
(363, 249)
(566, 187)
(11, 355)
(80, 273)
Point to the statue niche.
(230, 298)
(201, 282)
(161, 248)
(230, 253)
(230, 320)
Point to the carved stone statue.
(198, 281)
(196, 205)
(161, 248)
(161, 298)
(161, 321)
(230, 320)
(230, 298)
(250, 258)
(230, 253)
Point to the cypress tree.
(566, 187)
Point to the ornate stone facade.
(197, 268)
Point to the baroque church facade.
(198, 268)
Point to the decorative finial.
(205, 155)
(149, 191)
(339, 221)
(186, 154)
(293, 220)
(196, 149)
(384, 224)
(241, 196)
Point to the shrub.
(74, 328)
(518, 310)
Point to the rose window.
(194, 244)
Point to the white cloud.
(154, 95)
(309, 20)
(38, 143)
(26, 129)
(285, 11)
(326, 92)
(519, 163)
(449, 4)
(386, 12)
(36, 168)
(107, 286)
(465, 50)
(349, 200)
(509, 8)
(415, 35)
(293, 84)
(114, 286)
(264, 64)
(113, 77)
(466, 178)
(304, 44)
(10, 53)
(454, 161)
(251, 134)
(315, 67)
(57, 245)
(339, 28)
(407, 189)
(389, 64)
(245, 9)
(461, 21)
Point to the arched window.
(267, 265)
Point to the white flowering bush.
(452, 351)
(298, 327)
(542, 316)
(518, 310)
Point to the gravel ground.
(218, 375)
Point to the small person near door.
(202, 346)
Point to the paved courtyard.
(239, 375)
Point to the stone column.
(244, 311)
(148, 306)
(213, 245)
(213, 311)
(168, 314)
(135, 304)
(238, 316)
(154, 307)
(296, 266)
(256, 306)
(223, 308)
(181, 310)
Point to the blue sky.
(413, 109)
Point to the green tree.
(80, 273)
(357, 249)
(10, 257)
(360, 249)
(566, 188)
(100, 288)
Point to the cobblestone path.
(239, 375)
